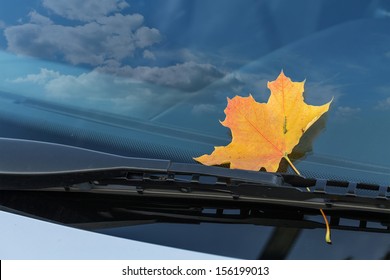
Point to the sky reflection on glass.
(157, 60)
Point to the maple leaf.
(264, 133)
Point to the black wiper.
(29, 166)
(33, 165)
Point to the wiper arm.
(32, 165)
(29, 165)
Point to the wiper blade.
(35, 165)
(31, 165)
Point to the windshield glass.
(151, 79)
(159, 73)
(174, 63)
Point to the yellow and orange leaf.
(264, 133)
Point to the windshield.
(152, 78)
(170, 65)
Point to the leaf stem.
(292, 165)
(327, 234)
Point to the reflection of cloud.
(200, 109)
(146, 36)
(86, 10)
(39, 19)
(381, 13)
(188, 76)
(97, 90)
(317, 93)
(130, 94)
(149, 55)
(60, 85)
(347, 111)
(244, 82)
(41, 78)
(108, 37)
(383, 104)
(347, 114)
(241, 83)
(105, 39)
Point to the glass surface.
(112, 75)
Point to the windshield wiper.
(162, 189)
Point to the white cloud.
(100, 91)
(346, 114)
(188, 76)
(148, 55)
(41, 78)
(113, 37)
(39, 19)
(85, 10)
(381, 13)
(119, 23)
(90, 84)
(383, 104)
(96, 90)
(93, 83)
(347, 111)
(2, 24)
(318, 93)
(104, 39)
(146, 36)
(200, 109)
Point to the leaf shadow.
(305, 145)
